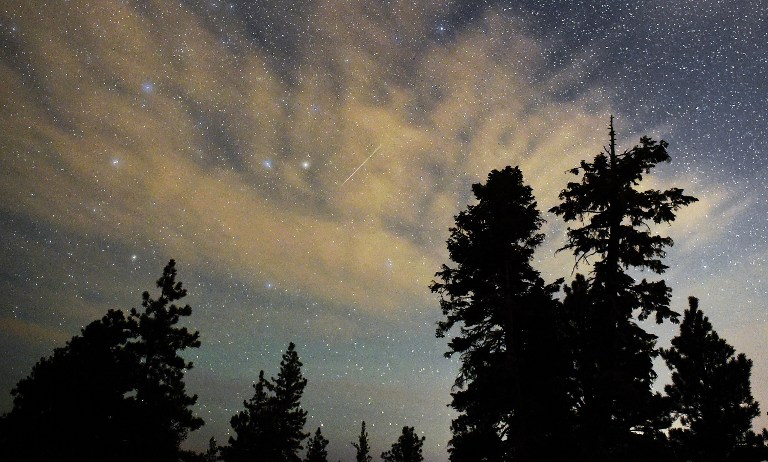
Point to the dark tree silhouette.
(616, 214)
(271, 425)
(362, 448)
(618, 414)
(212, 453)
(510, 382)
(92, 398)
(72, 404)
(255, 433)
(476, 431)
(316, 448)
(288, 388)
(406, 449)
(163, 415)
(711, 394)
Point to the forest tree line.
(116, 392)
(547, 375)
(548, 370)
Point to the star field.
(302, 161)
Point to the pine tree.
(406, 449)
(288, 388)
(363, 450)
(163, 413)
(254, 428)
(271, 425)
(616, 216)
(711, 394)
(476, 431)
(77, 391)
(213, 451)
(120, 383)
(508, 327)
(617, 411)
(316, 448)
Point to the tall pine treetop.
(289, 384)
(491, 246)
(618, 415)
(161, 379)
(615, 216)
(362, 447)
(271, 427)
(504, 222)
(316, 448)
(288, 388)
(506, 315)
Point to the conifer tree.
(617, 410)
(288, 388)
(710, 394)
(476, 431)
(272, 423)
(406, 449)
(120, 383)
(212, 453)
(163, 414)
(362, 448)
(616, 215)
(77, 391)
(254, 428)
(507, 327)
(316, 448)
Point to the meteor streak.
(361, 165)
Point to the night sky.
(302, 161)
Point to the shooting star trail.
(361, 165)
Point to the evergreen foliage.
(616, 215)
(316, 448)
(406, 449)
(253, 426)
(288, 388)
(619, 417)
(512, 372)
(212, 453)
(76, 393)
(711, 394)
(362, 448)
(115, 392)
(271, 426)
(163, 417)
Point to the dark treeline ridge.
(116, 392)
(546, 377)
(548, 370)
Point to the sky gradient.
(302, 161)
